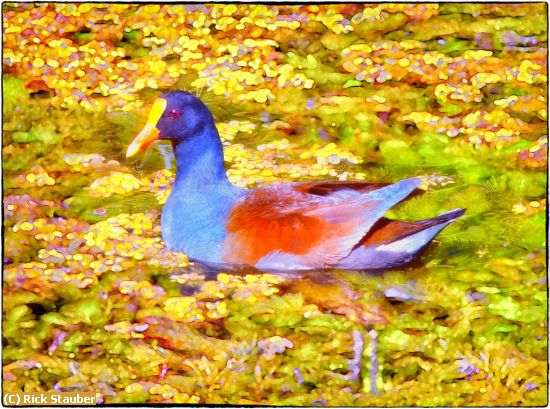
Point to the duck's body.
(291, 226)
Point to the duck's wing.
(291, 227)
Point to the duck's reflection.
(331, 290)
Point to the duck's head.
(176, 116)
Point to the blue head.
(185, 120)
(177, 116)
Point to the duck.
(289, 226)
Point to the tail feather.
(386, 231)
(392, 243)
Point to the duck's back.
(306, 226)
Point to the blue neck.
(199, 162)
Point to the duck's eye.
(173, 114)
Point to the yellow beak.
(149, 133)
